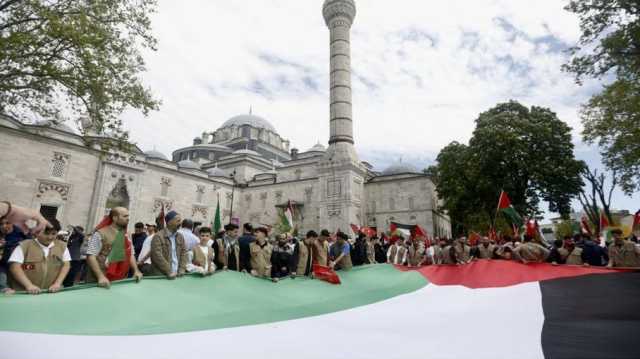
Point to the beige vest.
(415, 256)
(321, 253)
(371, 252)
(108, 235)
(575, 257)
(486, 253)
(41, 271)
(531, 252)
(624, 256)
(399, 251)
(261, 258)
(223, 256)
(304, 253)
(199, 258)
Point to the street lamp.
(233, 188)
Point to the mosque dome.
(318, 148)
(59, 125)
(156, 154)
(400, 167)
(188, 165)
(251, 120)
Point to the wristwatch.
(8, 209)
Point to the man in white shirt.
(190, 239)
(40, 264)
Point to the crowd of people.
(47, 258)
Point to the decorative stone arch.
(119, 196)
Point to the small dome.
(188, 165)
(251, 120)
(400, 167)
(59, 126)
(318, 148)
(245, 152)
(216, 172)
(156, 154)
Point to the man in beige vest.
(397, 252)
(416, 255)
(201, 256)
(485, 249)
(260, 251)
(40, 264)
(623, 253)
(303, 255)
(531, 252)
(458, 253)
(100, 245)
(321, 249)
(168, 249)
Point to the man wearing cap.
(106, 247)
(340, 253)
(321, 249)
(168, 250)
(623, 253)
(40, 264)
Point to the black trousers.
(76, 267)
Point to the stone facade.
(245, 160)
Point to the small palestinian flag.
(500, 309)
(504, 206)
(405, 229)
(287, 218)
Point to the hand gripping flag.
(118, 259)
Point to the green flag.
(217, 222)
(504, 206)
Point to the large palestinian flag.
(488, 309)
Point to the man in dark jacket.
(592, 253)
(244, 242)
(77, 263)
(138, 237)
(359, 252)
(282, 258)
(11, 238)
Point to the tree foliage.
(67, 59)
(609, 48)
(526, 152)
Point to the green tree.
(67, 59)
(609, 48)
(526, 152)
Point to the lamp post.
(233, 189)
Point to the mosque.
(244, 165)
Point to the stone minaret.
(341, 173)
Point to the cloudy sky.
(422, 71)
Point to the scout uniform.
(626, 255)
(42, 271)
(261, 258)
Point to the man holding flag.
(110, 252)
